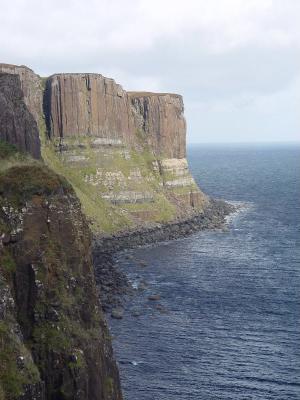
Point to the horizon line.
(297, 142)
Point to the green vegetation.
(7, 263)
(101, 215)
(9, 156)
(94, 172)
(109, 385)
(90, 185)
(12, 377)
(6, 150)
(20, 183)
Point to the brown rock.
(31, 85)
(159, 116)
(92, 105)
(154, 297)
(88, 105)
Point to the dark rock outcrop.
(213, 217)
(31, 85)
(54, 340)
(17, 125)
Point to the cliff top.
(130, 93)
(79, 74)
(13, 66)
(150, 94)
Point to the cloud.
(246, 118)
(213, 52)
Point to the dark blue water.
(228, 322)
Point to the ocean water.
(227, 324)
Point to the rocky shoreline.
(113, 284)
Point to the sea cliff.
(54, 341)
(123, 152)
(81, 159)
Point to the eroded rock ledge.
(213, 217)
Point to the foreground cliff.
(54, 341)
(123, 152)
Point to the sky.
(236, 62)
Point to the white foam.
(241, 207)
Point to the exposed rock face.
(100, 126)
(17, 125)
(54, 341)
(88, 105)
(31, 85)
(160, 117)
(126, 149)
(92, 105)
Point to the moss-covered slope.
(54, 342)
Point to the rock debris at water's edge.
(113, 284)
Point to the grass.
(12, 378)
(6, 150)
(103, 216)
(20, 183)
(7, 262)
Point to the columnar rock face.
(160, 117)
(31, 86)
(128, 146)
(17, 124)
(54, 340)
(127, 149)
(88, 105)
(92, 105)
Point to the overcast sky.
(236, 62)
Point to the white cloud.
(211, 51)
(139, 24)
(246, 118)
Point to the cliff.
(92, 105)
(17, 125)
(159, 116)
(31, 86)
(123, 152)
(88, 105)
(54, 341)
(123, 155)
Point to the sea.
(216, 315)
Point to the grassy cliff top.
(21, 177)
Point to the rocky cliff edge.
(54, 342)
(123, 152)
